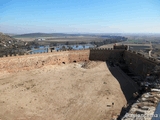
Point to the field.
(64, 39)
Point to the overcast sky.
(80, 16)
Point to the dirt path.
(65, 92)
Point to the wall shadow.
(128, 86)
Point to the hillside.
(35, 35)
(4, 37)
(10, 45)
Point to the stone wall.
(104, 54)
(138, 64)
(27, 62)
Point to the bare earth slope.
(65, 92)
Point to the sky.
(80, 16)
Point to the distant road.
(121, 43)
(137, 44)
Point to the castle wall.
(106, 54)
(138, 64)
(27, 62)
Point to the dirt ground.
(74, 91)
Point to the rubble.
(146, 105)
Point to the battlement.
(141, 55)
(104, 54)
(136, 62)
(20, 54)
(139, 64)
(97, 49)
(30, 61)
(94, 54)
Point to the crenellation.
(4, 55)
(143, 66)
(8, 55)
(140, 63)
(30, 61)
